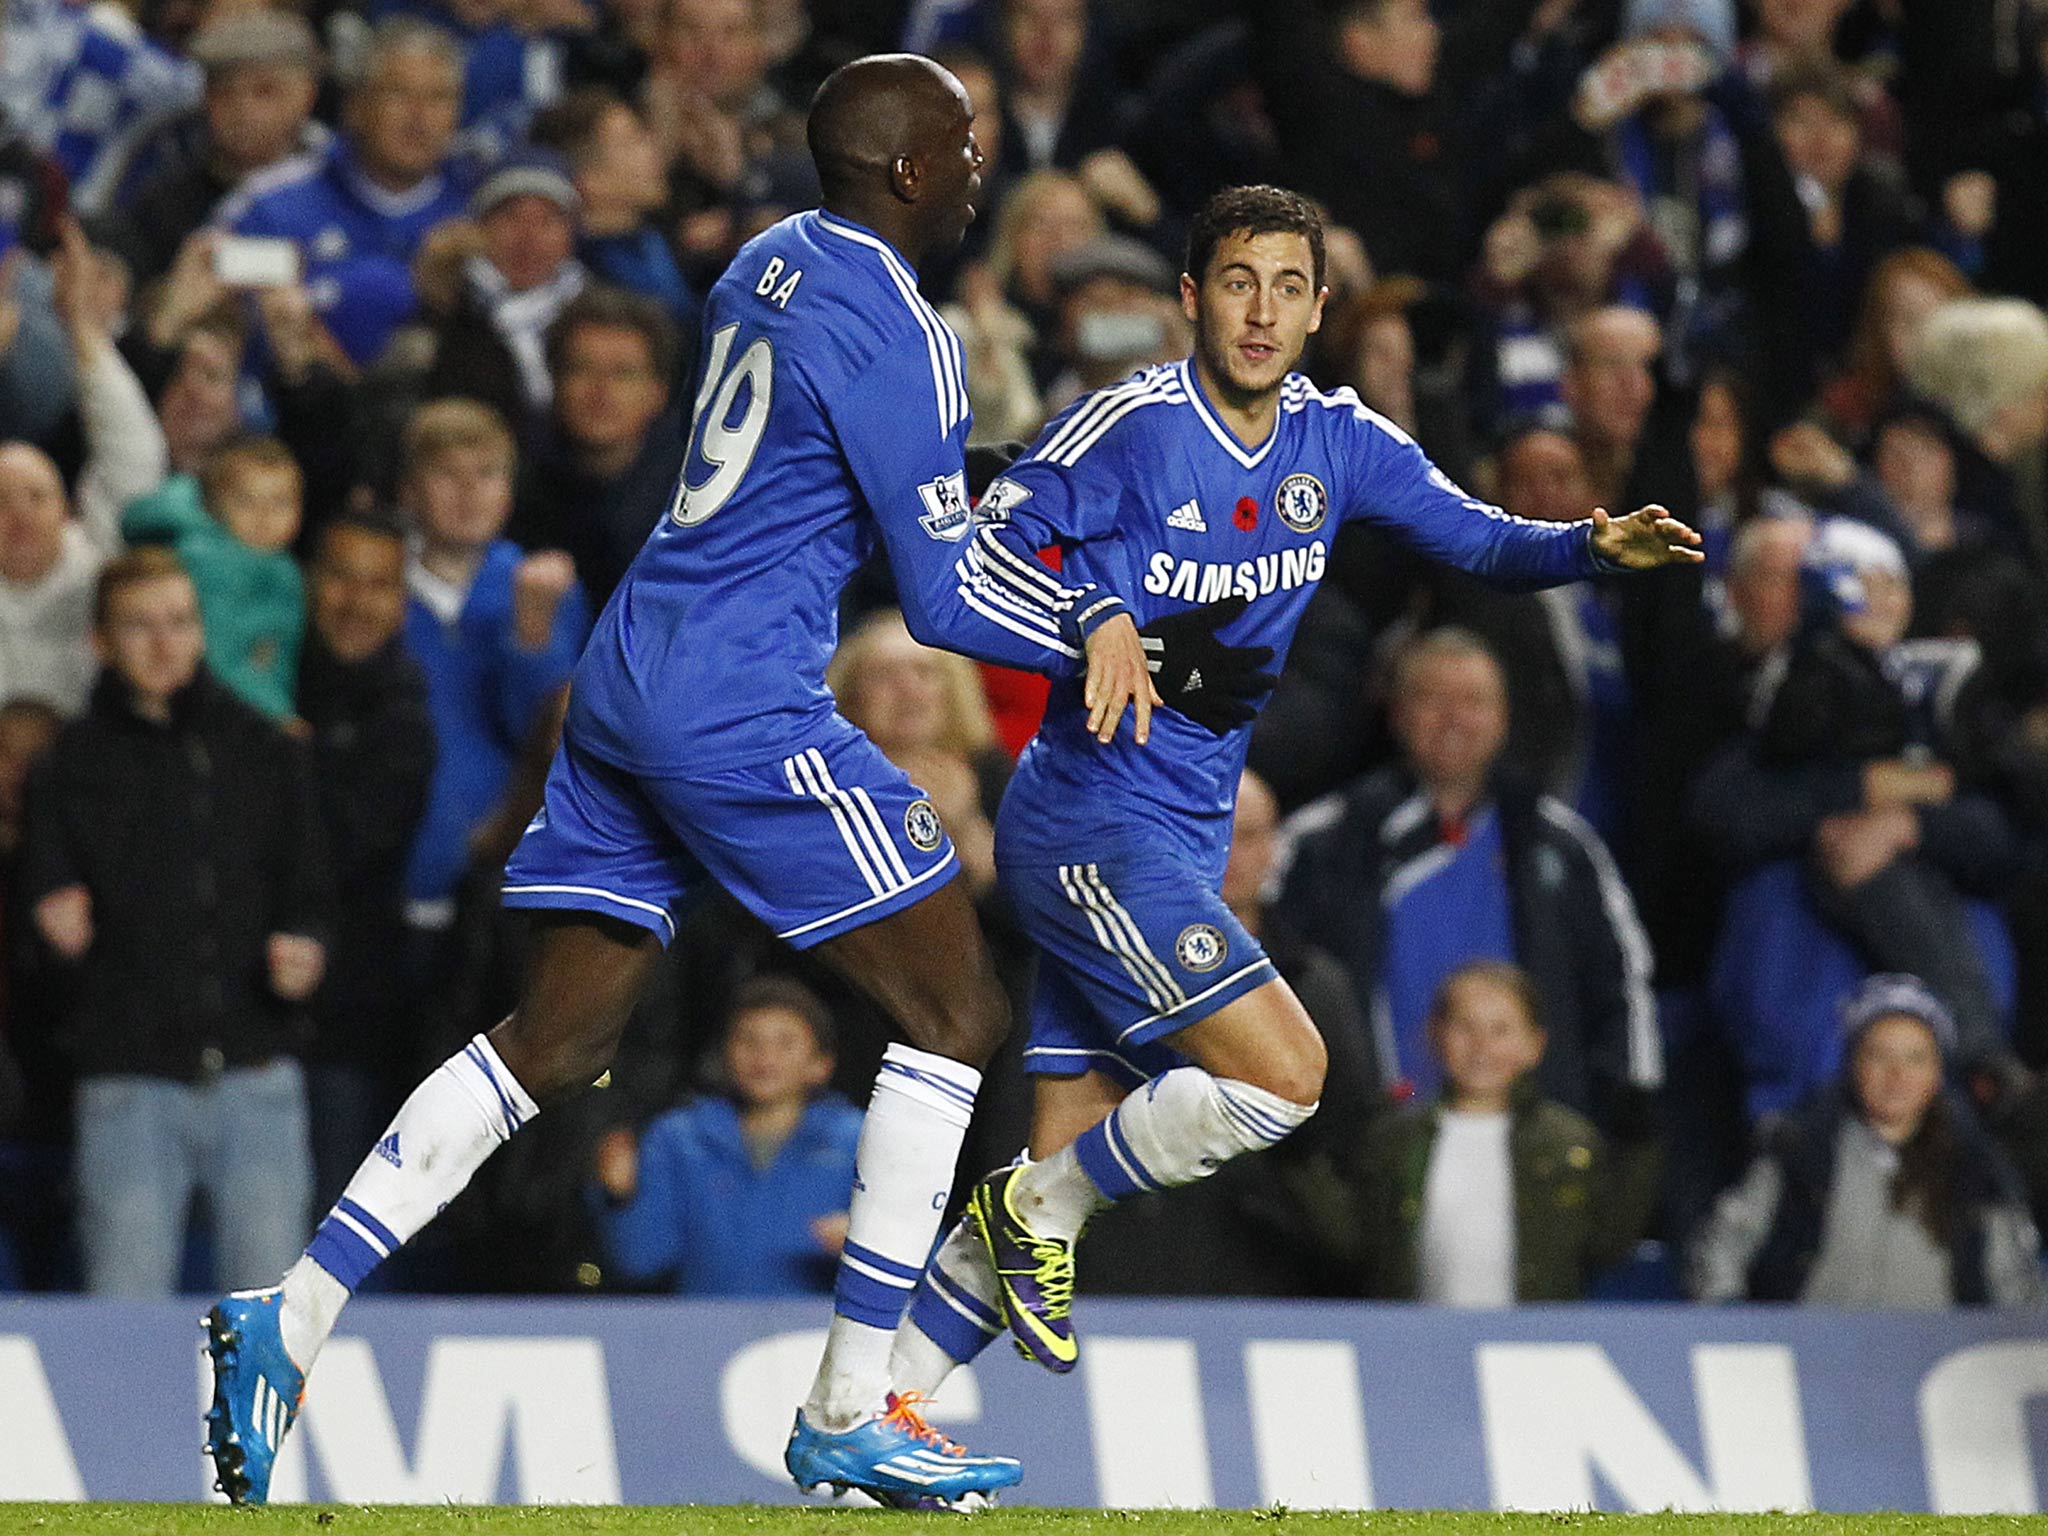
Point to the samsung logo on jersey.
(1196, 581)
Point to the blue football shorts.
(817, 843)
(1133, 945)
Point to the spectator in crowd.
(364, 701)
(1609, 385)
(49, 558)
(1119, 310)
(718, 120)
(174, 855)
(743, 1192)
(1854, 216)
(495, 629)
(1901, 293)
(262, 74)
(1851, 701)
(513, 270)
(1493, 1194)
(1048, 214)
(233, 527)
(1416, 869)
(601, 477)
(1985, 362)
(359, 211)
(1883, 1190)
(77, 76)
(1567, 245)
(618, 173)
(1369, 109)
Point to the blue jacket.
(725, 1227)
(356, 239)
(483, 693)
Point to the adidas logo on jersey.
(388, 1150)
(1194, 680)
(1187, 517)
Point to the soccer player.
(1162, 1040)
(701, 744)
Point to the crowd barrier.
(1190, 1404)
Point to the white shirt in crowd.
(1467, 1248)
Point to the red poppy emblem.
(1247, 514)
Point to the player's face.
(1484, 1039)
(774, 1058)
(955, 169)
(1253, 310)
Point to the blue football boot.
(256, 1392)
(899, 1460)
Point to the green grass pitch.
(706, 1520)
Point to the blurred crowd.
(1672, 935)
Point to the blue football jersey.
(1148, 494)
(831, 411)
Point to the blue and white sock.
(903, 1172)
(1181, 1126)
(954, 1315)
(465, 1110)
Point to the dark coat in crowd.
(1574, 926)
(600, 522)
(373, 754)
(197, 840)
(1581, 1203)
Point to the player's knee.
(968, 1025)
(1297, 1069)
(553, 1058)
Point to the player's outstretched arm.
(1647, 538)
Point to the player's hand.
(296, 965)
(1647, 538)
(64, 919)
(1117, 676)
(1213, 684)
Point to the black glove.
(1213, 684)
(986, 463)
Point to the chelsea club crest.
(1302, 503)
(921, 826)
(1201, 947)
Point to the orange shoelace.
(904, 1415)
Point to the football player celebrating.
(701, 744)
(1162, 1040)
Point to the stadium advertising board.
(1184, 1403)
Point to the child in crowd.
(1882, 1191)
(742, 1193)
(496, 630)
(232, 526)
(1494, 1194)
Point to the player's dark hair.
(1253, 211)
(786, 994)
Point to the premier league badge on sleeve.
(1201, 947)
(1302, 503)
(946, 515)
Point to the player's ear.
(1190, 298)
(906, 178)
(1315, 316)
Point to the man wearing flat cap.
(262, 71)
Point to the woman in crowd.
(1883, 1191)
